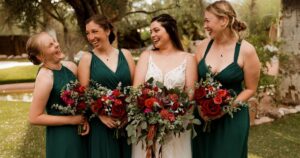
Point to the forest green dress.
(62, 141)
(228, 137)
(102, 141)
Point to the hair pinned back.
(224, 9)
(104, 23)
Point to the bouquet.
(104, 101)
(155, 111)
(214, 100)
(74, 98)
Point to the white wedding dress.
(174, 146)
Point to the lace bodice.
(171, 79)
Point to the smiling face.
(50, 49)
(214, 25)
(96, 35)
(159, 35)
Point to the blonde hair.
(224, 9)
(33, 48)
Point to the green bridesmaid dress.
(228, 137)
(62, 141)
(102, 140)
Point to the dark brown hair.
(104, 23)
(170, 25)
(224, 9)
(33, 48)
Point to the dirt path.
(16, 87)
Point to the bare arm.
(84, 69)
(41, 93)
(130, 62)
(191, 75)
(251, 67)
(141, 69)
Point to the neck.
(226, 38)
(168, 49)
(53, 66)
(104, 50)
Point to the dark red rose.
(150, 102)
(210, 109)
(217, 99)
(96, 106)
(141, 101)
(118, 111)
(116, 92)
(155, 89)
(199, 94)
(81, 106)
(175, 106)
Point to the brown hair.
(33, 48)
(224, 9)
(104, 23)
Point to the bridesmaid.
(233, 62)
(62, 140)
(107, 66)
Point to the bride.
(169, 64)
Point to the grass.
(279, 139)
(18, 138)
(18, 74)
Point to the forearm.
(245, 95)
(52, 120)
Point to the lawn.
(279, 139)
(18, 74)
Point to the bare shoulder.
(126, 52)
(44, 77)
(247, 48)
(188, 56)
(87, 56)
(145, 54)
(70, 65)
(201, 47)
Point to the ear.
(107, 32)
(40, 57)
(224, 21)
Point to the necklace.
(221, 55)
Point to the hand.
(108, 121)
(124, 122)
(86, 128)
(76, 120)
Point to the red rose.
(164, 114)
(116, 92)
(199, 94)
(150, 102)
(145, 91)
(222, 93)
(218, 100)
(141, 102)
(174, 97)
(97, 106)
(118, 102)
(80, 89)
(210, 88)
(118, 111)
(210, 109)
(81, 106)
(175, 106)
(155, 88)
(171, 117)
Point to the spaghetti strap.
(208, 48)
(237, 51)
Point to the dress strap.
(237, 51)
(208, 48)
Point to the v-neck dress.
(62, 141)
(102, 141)
(228, 137)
